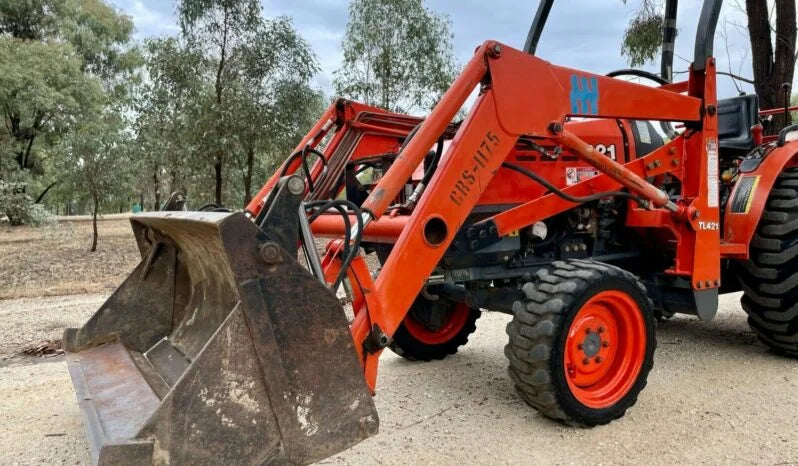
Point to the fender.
(750, 193)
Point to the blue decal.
(584, 95)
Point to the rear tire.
(433, 329)
(582, 343)
(770, 277)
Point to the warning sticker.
(712, 173)
(642, 130)
(574, 175)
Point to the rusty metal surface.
(243, 375)
(206, 281)
(114, 399)
(300, 331)
(219, 412)
(167, 361)
(147, 297)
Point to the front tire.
(433, 329)
(770, 277)
(582, 342)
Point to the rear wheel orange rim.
(605, 349)
(456, 319)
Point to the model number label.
(606, 150)
(709, 226)
(469, 176)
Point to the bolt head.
(598, 359)
(586, 361)
(555, 127)
(369, 426)
(601, 330)
(605, 344)
(270, 253)
(580, 346)
(295, 185)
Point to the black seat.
(736, 116)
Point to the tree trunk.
(94, 222)
(772, 67)
(217, 168)
(156, 190)
(248, 175)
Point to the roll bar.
(704, 38)
(537, 26)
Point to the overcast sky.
(584, 34)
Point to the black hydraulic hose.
(434, 164)
(305, 167)
(350, 252)
(576, 200)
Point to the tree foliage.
(248, 57)
(397, 55)
(642, 39)
(63, 62)
(43, 92)
(217, 112)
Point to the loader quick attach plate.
(219, 348)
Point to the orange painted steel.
(739, 227)
(521, 100)
(429, 132)
(545, 206)
(614, 170)
(463, 175)
(385, 230)
(604, 349)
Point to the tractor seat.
(736, 116)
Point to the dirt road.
(715, 396)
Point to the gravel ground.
(715, 396)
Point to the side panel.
(567, 169)
(749, 196)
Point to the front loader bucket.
(219, 348)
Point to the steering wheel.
(666, 126)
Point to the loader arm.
(511, 104)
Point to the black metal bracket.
(279, 218)
(477, 236)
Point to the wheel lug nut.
(588, 331)
(601, 330)
(598, 359)
(580, 346)
(586, 361)
(605, 344)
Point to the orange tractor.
(555, 200)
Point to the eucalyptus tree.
(95, 159)
(398, 55)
